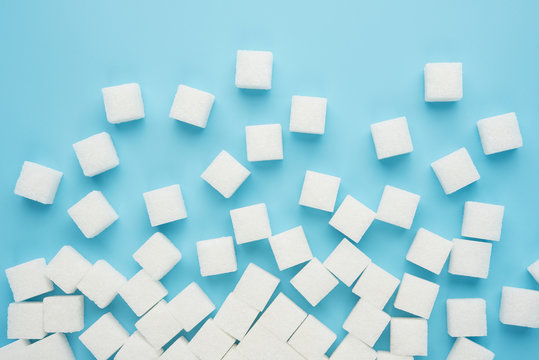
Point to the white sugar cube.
(408, 336)
(256, 286)
(15, 350)
(430, 251)
(519, 307)
(391, 138)
(282, 317)
(53, 347)
(25, 320)
(312, 339)
(352, 348)
(191, 306)
(308, 114)
(28, 280)
(101, 283)
(63, 314)
(499, 133)
(416, 295)
(482, 220)
(397, 207)
(37, 182)
(235, 316)
(261, 344)
(178, 350)
(352, 218)
(376, 285)
(533, 269)
(142, 292)
(290, 248)
(93, 214)
(443, 82)
(157, 256)
(165, 205)
(96, 154)
(137, 347)
(210, 342)
(158, 326)
(466, 317)
(254, 69)
(470, 258)
(465, 349)
(314, 282)
(455, 171)
(123, 103)
(250, 223)
(67, 269)
(192, 106)
(225, 174)
(234, 354)
(264, 142)
(386, 355)
(217, 256)
(366, 322)
(319, 191)
(104, 337)
(347, 262)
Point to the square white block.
(465, 349)
(533, 269)
(137, 347)
(37, 182)
(191, 306)
(312, 339)
(158, 325)
(101, 283)
(391, 138)
(28, 280)
(346, 262)
(319, 191)
(470, 258)
(217, 256)
(157, 256)
(53, 347)
(499, 133)
(308, 114)
(14, 350)
(256, 286)
(225, 174)
(123, 103)
(455, 171)
(466, 317)
(234, 354)
(352, 348)
(25, 320)
(519, 307)
(235, 316)
(443, 82)
(63, 314)
(376, 285)
(165, 205)
(416, 296)
(178, 350)
(96, 154)
(210, 342)
(386, 355)
(250, 223)
(314, 282)
(192, 106)
(67, 269)
(366, 322)
(482, 220)
(264, 142)
(142, 292)
(397, 207)
(261, 344)
(430, 251)
(93, 214)
(352, 218)
(254, 69)
(104, 337)
(408, 336)
(282, 317)
(290, 248)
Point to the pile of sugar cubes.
(256, 321)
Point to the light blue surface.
(366, 58)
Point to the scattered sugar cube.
(225, 174)
(192, 106)
(466, 349)
(416, 296)
(352, 348)
(165, 205)
(312, 339)
(104, 337)
(250, 223)
(234, 354)
(254, 69)
(391, 138)
(96, 154)
(455, 171)
(430, 251)
(319, 191)
(157, 256)
(158, 326)
(67, 269)
(28, 280)
(466, 317)
(210, 342)
(308, 114)
(482, 220)
(261, 344)
(533, 269)
(142, 292)
(25, 320)
(443, 82)
(235, 316)
(519, 307)
(256, 286)
(37, 182)
(352, 218)
(376, 285)
(101, 283)
(63, 314)
(264, 142)
(123, 103)
(470, 258)
(53, 347)
(282, 317)
(15, 350)
(346, 262)
(216, 256)
(499, 133)
(366, 322)
(93, 214)
(137, 347)
(290, 248)
(397, 207)
(178, 350)
(408, 336)
(191, 306)
(386, 355)
(314, 282)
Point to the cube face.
(37, 182)
(319, 191)
(282, 317)
(104, 337)
(482, 221)
(190, 306)
(93, 214)
(499, 133)
(314, 282)
(519, 307)
(366, 322)
(376, 285)
(290, 248)
(386, 355)
(210, 342)
(455, 171)
(101, 283)
(264, 142)
(14, 350)
(137, 347)
(466, 317)
(416, 296)
(63, 314)
(234, 354)
(466, 349)
(254, 69)
(96, 154)
(408, 336)
(260, 343)
(142, 292)
(216, 256)
(25, 321)
(123, 103)
(55, 346)
(67, 269)
(225, 174)
(256, 286)
(178, 350)
(312, 339)
(28, 280)
(352, 348)
(158, 326)
(192, 106)
(347, 262)
(397, 207)
(157, 256)
(235, 316)
(250, 223)
(391, 138)
(533, 269)
(352, 218)
(430, 251)
(443, 82)
(470, 258)
(165, 205)
(308, 114)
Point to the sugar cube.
(366, 322)
(250, 223)
(178, 350)
(455, 171)
(264, 142)
(352, 348)
(428, 250)
(352, 218)
(466, 317)
(96, 154)
(346, 262)
(391, 138)
(25, 320)
(234, 354)
(93, 214)
(386, 355)
(290, 248)
(53, 347)
(63, 314)
(397, 207)
(282, 317)
(104, 337)
(408, 336)
(499, 133)
(28, 280)
(165, 205)
(376, 285)
(137, 347)
(308, 114)
(416, 295)
(466, 349)
(443, 82)
(142, 292)
(191, 306)
(256, 286)
(261, 344)
(15, 350)
(192, 106)
(37, 182)
(235, 316)
(312, 339)
(519, 307)
(482, 220)
(314, 281)
(533, 269)
(123, 103)
(67, 269)
(216, 256)
(158, 326)
(225, 174)
(319, 191)
(101, 283)
(210, 342)
(254, 69)
(470, 258)
(157, 256)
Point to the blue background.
(367, 58)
